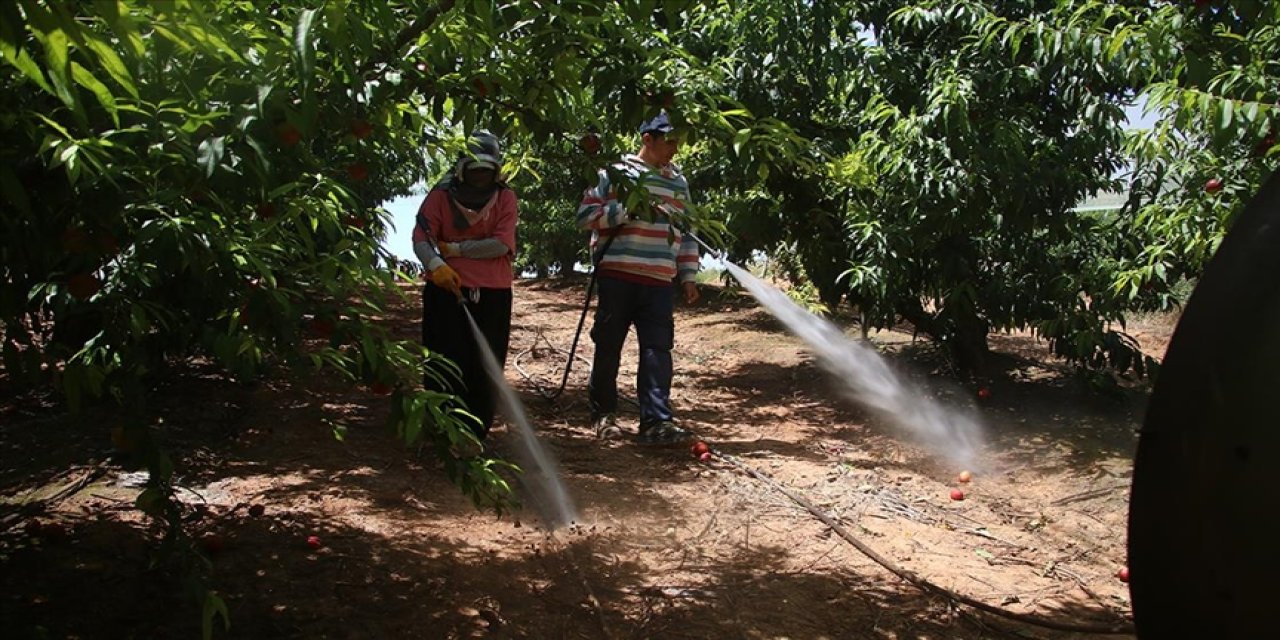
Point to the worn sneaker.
(662, 433)
(607, 427)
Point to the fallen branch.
(1085, 495)
(983, 533)
(911, 577)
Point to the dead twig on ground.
(1084, 586)
(911, 577)
(983, 533)
(1087, 495)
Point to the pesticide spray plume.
(867, 379)
(541, 475)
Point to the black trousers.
(651, 310)
(445, 331)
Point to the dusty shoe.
(662, 433)
(606, 426)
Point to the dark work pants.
(445, 331)
(650, 308)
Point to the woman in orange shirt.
(466, 239)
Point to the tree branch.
(424, 22)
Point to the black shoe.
(662, 433)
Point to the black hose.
(582, 319)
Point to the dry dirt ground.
(665, 546)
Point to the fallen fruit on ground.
(321, 327)
(705, 456)
(121, 441)
(1123, 574)
(314, 542)
(964, 476)
(699, 448)
(211, 543)
(957, 495)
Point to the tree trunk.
(963, 335)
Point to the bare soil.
(665, 546)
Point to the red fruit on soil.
(705, 457)
(1123, 574)
(321, 327)
(266, 211)
(590, 143)
(211, 543)
(699, 448)
(288, 134)
(957, 495)
(984, 393)
(361, 129)
(964, 476)
(357, 172)
(48, 531)
(380, 388)
(121, 440)
(83, 285)
(314, 542)
(257, 510)
(1213, 185)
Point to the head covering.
(482, 152)
(660, 124)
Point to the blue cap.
(658, 124)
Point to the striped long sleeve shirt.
(654, 250)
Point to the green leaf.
(113, 65)
(85, 79)
(116, 15)
(303, 49)
(11, 47)
(151, 502)
(57, 55)
(739, 139)
(210, 154)
(213, 606)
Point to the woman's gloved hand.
(446, 278)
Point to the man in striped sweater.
(639, 256)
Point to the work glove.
(446, 278)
